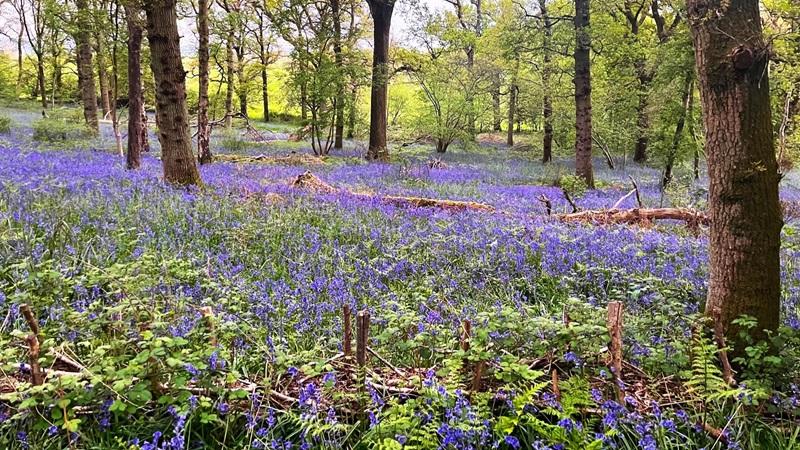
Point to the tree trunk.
(241, 90)
(264, 58)
(676, 138)
(85, 67)
(512, 110)
(583, 95)
(40, 81)
(744, 241)
(229, 74)
(497, 116)
(203, 128)
(642, 116)
(20, 56)
(170, 78)
(102, 74)
(351, 113)
(337, 51)
(137, 129)
(547, 99)
(382, 16)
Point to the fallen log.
(637, 216)
(311, 182)
(290, 159)
(422, 202)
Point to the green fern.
(706, 380)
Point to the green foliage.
(5, 124)
(573, 185)
(61, 126)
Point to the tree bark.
(497, 116)
(241, 90)
(102, 74)
(264, 58)
(583, 95)
(512, 110)
(382, 16)
(547, 99)
(229, 74)
(137, 128)
(170, 78)
(85, 67)
(40, 81)
(731, 58)
(204, 155)
(337, 52)
(687, 96)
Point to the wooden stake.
(362, 337)
(614, 323)
(477, 376)
(347, 344)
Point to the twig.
(30, 318)
(347, 344)
(638, 195)
(387, 363)
(621, 200)
(569, 200)
(548, 205)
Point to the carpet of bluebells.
(119, 269)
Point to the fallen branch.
(290, 159)
(637, 216)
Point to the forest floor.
(226, 316)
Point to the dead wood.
(637, 216)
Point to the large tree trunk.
(337, 51)
(230, 71)
(137, 128)
(171, 111)
(102, 74)
(583, 95)
(203, 128)
(547, 99)
(382, 17)
(85, 67)
(731, 58)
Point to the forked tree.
(172, 115)
(731, 58)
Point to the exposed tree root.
(310, 182)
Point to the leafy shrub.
(233, 142)
(573, 185)
(5, 124)
(55, 129)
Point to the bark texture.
(381, 11)
(137, 127)
(338, 58)
(85, 68)
(547, 100)
(203, 128)
(170, 78)
(583, 95)
(731, 59)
